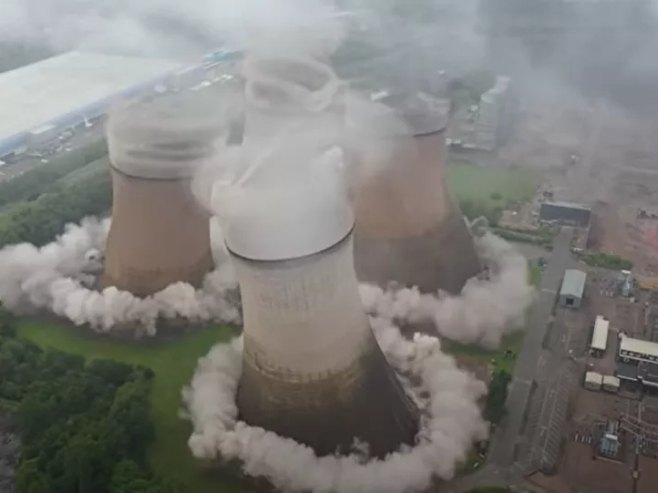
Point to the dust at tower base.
(408, 227)
(159, 234)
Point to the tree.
(41, 220)
(494, 410)
(79, 421)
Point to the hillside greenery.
(31, 184)
(39, 221)
(85, 425)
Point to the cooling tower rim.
(182, 118)
(146, 176)
(276, 262)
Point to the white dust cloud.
(486, 310)
(59, 278)
(451, 423)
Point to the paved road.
(508, 434)
(501, 467)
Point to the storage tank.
(159, 234)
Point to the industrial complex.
(68, 90)
(60, 94)
(320, 224)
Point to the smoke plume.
(59, 277)
(451, 423)
(486, 310)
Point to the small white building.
(610, 383)
(593, 380)
(599, 341)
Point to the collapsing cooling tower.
(408, 228)
(159, 235)
(312, 369)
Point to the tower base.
(441, 258)
(330, 413)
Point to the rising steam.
(451, 423)
(59, 278)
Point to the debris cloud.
(450, 425)
(486, 310)
(60, 277)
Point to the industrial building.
(599, 340)
(638, 361)
(573, 288)
(41, 99)
(637, 350)
(593, 380)
(565, 213)
(610, 383)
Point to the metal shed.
(573, 287)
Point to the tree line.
(40, 220)
(85, 426)
(31, 184)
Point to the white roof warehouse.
(64, 89)
(637, 349)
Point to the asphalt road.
(508, 434)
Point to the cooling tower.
(159, 235)
(312, 369)
(408, 228)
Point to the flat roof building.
(65, 89)
(593, 380)
(637, 350)
(600, 335)
(565, 213)
(610, 383)
(573, 287)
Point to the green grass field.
(173, 363)
(479, 183)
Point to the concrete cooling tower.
(159, 235)
(408, 228)
(312, 369)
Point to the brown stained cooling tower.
(159, 235)
(409, 229)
